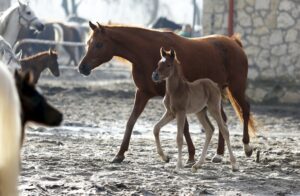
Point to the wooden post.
(230, 17)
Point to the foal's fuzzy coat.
(183, 97)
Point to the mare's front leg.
(165, 119)
(141, 99)
(180, 116)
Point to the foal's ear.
(163, 53)
(51, 52)
(93, 26)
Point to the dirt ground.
(74, 159)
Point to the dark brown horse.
(39, 62)
(217, 57)
(34, 106)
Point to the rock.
(259, 4)
(291, 35)
(244, 19)
(279, 50)
(284, 20)
(276, 37)
(286, 5)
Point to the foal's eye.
(98, 45)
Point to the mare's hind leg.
(202, 117)
(215, 111)
(165, 119)
(246, 115)
(220, 150)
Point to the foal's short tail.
(238, 111)
(10, 129)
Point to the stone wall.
(270, 31)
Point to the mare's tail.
(238, 111)
(10, 128)
(237, 38)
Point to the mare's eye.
(28, 13)
(169, 65)
(98, 45)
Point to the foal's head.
(100, 49)
(52, 63)
(34, 106)
(166, 65)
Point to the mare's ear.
(93, 26)
(17, 76)
(172, 53)
(163, 53)
(102, 29)
(22, 5)
(50, 52)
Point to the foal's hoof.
(189, 163)
(118, 159)
(235, 167)
(217, 158)
(248, 150)
(166, 159)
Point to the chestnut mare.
(217, 57)
(182, 98)
(39, 62)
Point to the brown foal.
(39, 62)
(182, 98)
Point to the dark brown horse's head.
(52, 63)
(165, 66)
(34, 106)
(100, 49)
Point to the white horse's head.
(27, 18)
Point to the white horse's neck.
(10, 26)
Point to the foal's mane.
(41, 54)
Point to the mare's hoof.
(118, 159)
(189, 163)
(194, 169)
(248, 152)
(217, 158)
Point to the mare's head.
(165, 66)
(100, 49)
(52, 63)
(34, 106)
(28, 19)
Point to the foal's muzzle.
(155, 76)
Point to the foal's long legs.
(180, 117)
(203, 119)
(165, 119)
(216, 114)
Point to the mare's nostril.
(155, 76)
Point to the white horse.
(7, 56)
(10, 133)
(14, 18)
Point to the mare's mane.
(5, 16)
